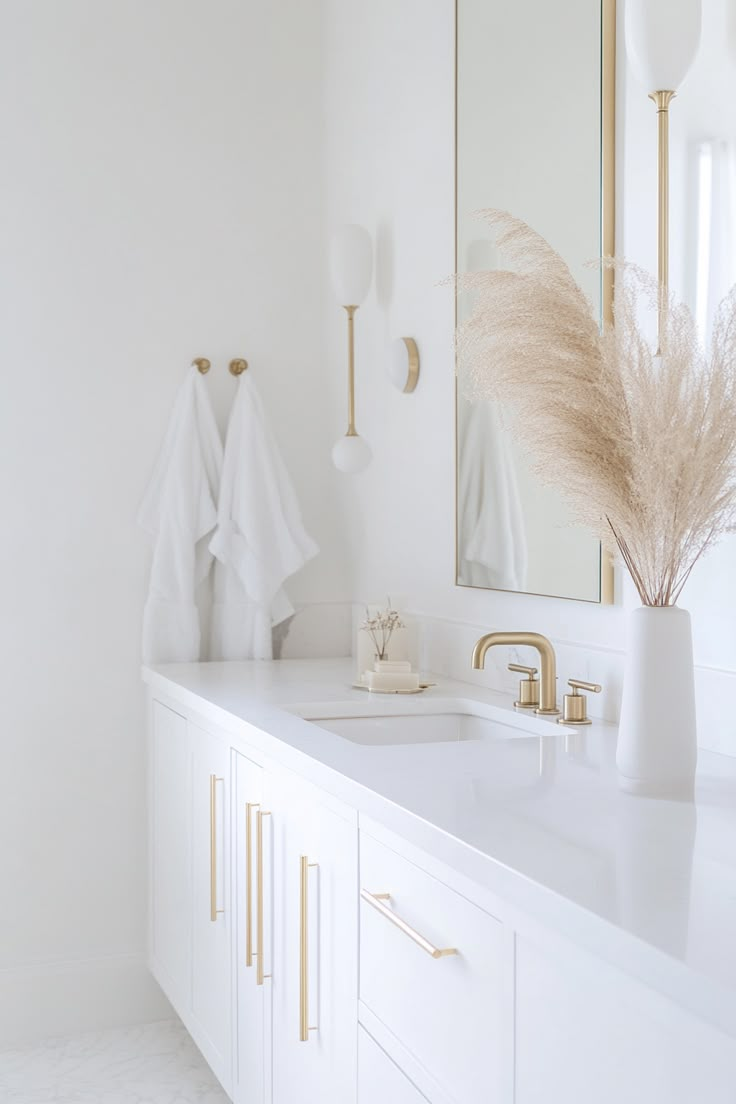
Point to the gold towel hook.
(238, 366)
(202, 365)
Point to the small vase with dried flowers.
(642, 444)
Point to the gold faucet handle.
(574, 706)
(528, 687)
(530, 671)
(578, 684)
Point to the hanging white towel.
(179, 512)
(260, 539)
(492, 538)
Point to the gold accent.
(249, 884)
(238, 366)
(528, 687)
(662, 101)
(214, 911)
(608, 249)
(412, 377)
(304, 868)
(376, 901)
(574, 706)
(202, 365)
(548, 664)
(259, 897)
(352, 431)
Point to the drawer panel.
(380, 1081)
(447, 1011)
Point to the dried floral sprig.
(643, 446)
(381, 626)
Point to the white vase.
(657, 740)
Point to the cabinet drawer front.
(446, 1010)
(380, 1081)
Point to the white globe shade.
(351, 264)
(662, 39)
(351, 454)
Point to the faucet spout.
(547, 663)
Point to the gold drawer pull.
(260, 975)
(249, 806)
(377, 899)
(304, 1027)
(214, 911)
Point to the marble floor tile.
(152, 1064)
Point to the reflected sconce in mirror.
(403, 365)
(351, 269)
(662, 39)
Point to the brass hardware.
(352, 431)
(214, 911)
(202, 365)
(548, 685)
(238, 366)
(249, 884)
(376, 901)
(412, 377)
(662, 101)
(528, 687)
(574, 706)
(304, 868)
(259, 898)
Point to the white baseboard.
(66, 998)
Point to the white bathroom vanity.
(392, 900)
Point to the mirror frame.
(608, 249)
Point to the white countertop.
(648, 884)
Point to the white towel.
(492, 538)
(179, 512)
(260, 539)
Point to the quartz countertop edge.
(647, 885)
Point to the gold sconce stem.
(352, 431)
(663, 100)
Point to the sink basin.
(433, 721)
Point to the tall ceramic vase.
(657, 743)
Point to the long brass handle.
(377, 899)
(260, 975)
(249, 882)
(214, 911)
(304, 1028)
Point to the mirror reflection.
(531, 144)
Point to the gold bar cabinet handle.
(214, 911)
(249, 882)
(304, 1028)
(258, 953)
(376, 900)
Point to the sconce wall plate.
(403, 369)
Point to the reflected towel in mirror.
(492, 548)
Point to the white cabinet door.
(170, 912)
(380, 1081)
(586, 1033)
(315, 945)
(211, 958)
(252, 1008)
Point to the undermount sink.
(433, 721)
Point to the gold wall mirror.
(535, 103)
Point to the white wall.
(161, 199)
(389, 90)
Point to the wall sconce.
(662, 39)
(403, 365)
(351, 268)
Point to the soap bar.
(392, 680)
(397, 666)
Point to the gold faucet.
(547, 663)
